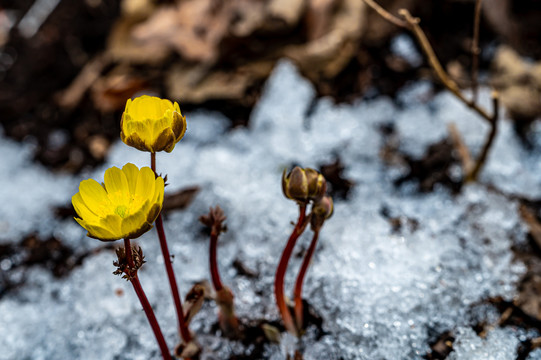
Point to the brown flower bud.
(317, 185)
(321, 211)
(295, 185)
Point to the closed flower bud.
(317, 185)
(321, 211)
(152, 124)
(295, 185)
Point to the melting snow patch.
(382, 293)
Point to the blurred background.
(67, 67)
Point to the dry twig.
(412, 24)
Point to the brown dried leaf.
(286, 11)
(528, 299)
(197, 84)
(110, 92)
(330, 53)
(534, 226)
(194, 28)
(73, 94)
(121, 45)
(519, 84)
(194, 300)
(319, 16)
(180, 199)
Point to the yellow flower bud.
(124, 207)
(152, 124)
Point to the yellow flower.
(152, 124)
(125, 207)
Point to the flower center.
(121, 210)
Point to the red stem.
(146, 305)
(214, 272)
(281, 271)
(297, 296)
(183, 328)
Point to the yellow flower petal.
(145, 184)
(153, 213)
(132, 172)
(98, 232)
(112, 222)
(94, 196)
(135, 141)
(159, 190)
(82, 210)
(159, 126)
(165, 140)
(116, 185)
(147, 122)
(127, 207)
(178, 125)
(135, 225)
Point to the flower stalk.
(131, 275)
(305, 186)
(282, 268)
(229, 323)
(183, 328)
(297, 294)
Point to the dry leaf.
(330, 53)
(180, 199)
(519, 84)
(122, 47)
(318, 17)
(110, 92)
(286, 11)
(73, 94)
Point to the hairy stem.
(297, 294)
(134, 279)
(183, 328)
(281, 271)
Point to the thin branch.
(412, 24)
(387, 15)
(472, 176)
(475, 50)
(436, 65)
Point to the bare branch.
(387, 15)
(412, 23)
(472, 176)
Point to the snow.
(469, 346)
(382, 294)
